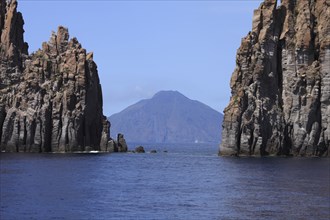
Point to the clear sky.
(142, 47)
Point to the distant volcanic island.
(168, 117)
(280, 103)
(50, 100)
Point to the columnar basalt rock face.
(280, 102)
(51, 100)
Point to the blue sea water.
(187, 182)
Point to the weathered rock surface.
(51, 100)
(280, 102)
(12, 46)
(121, 143)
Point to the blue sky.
(142, 47)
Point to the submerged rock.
(51, 100)
(280, 103)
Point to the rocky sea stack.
(280, 102)
(51, 100)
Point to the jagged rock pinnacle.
(51, 100)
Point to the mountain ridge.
(167, 117)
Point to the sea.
(180, 181)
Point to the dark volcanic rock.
(139, 149)
(51, 100)
(12, 46)
(121, 143)
(280, 102)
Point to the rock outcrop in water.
(51, 100)
(280, 102)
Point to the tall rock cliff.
(280, 102)
(51, 100)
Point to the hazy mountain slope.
(168, 117)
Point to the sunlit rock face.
(280, 103)
(51, 100)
